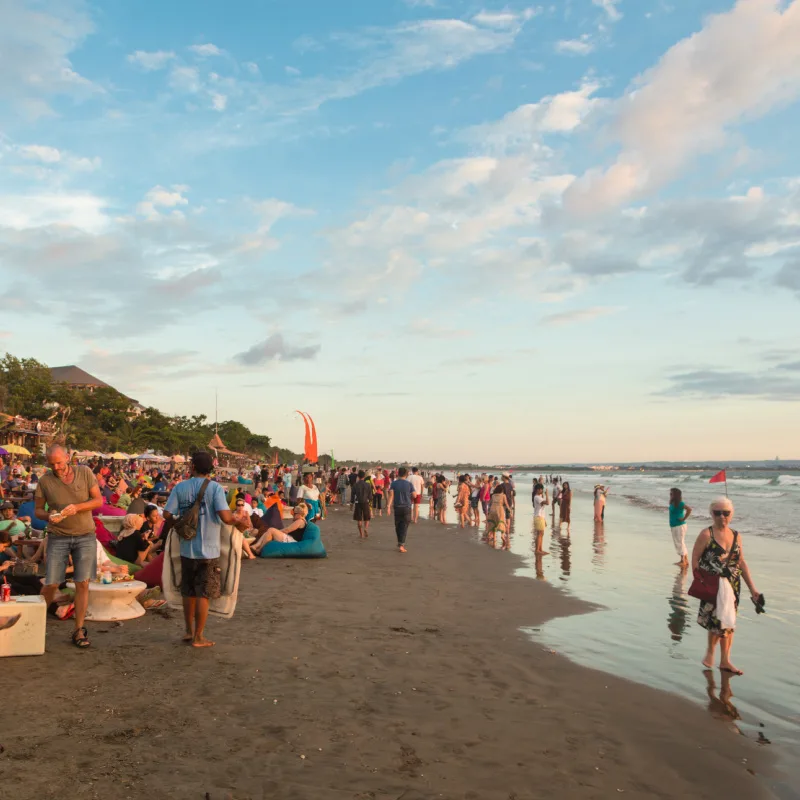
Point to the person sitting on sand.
(132, 546)
(242, 520)
(10, 523)
(292, 533)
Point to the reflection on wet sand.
(720, 705)
(562, 545)
(679, 606)
(599, 544)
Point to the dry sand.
(368, 675)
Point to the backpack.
(186, 525)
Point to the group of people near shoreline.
(69, 498)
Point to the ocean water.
(645, 626)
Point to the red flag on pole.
(720, 477)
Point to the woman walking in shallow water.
(718, 551)
(565, 508)
(600, 493)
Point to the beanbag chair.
(102, 533)
(151, 573)
(27, 509)
(310, 547)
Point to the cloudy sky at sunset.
(448, 229)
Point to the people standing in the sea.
(508, 488)
(442, 497)
(556, 498)
(565, 508)
(475, 502)
(362, 509)
(679, 512)
(600, 494)
(462, 500)
(718, 552)
(540, 502)
(401, 498)
(416, 480)
(496, 518)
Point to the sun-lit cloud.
(685, 105)
(151, 61)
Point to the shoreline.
(389, 673)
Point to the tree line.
(105, 420)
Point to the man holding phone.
(65, 498)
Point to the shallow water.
(646, 628)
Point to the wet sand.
(368, 675)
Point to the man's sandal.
(80, 638)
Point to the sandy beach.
(368, 675)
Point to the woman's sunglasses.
(719, 513)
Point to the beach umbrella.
(119, 456)
(16, 450)
(178, 459)
(3, 451)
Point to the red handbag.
(704, 586)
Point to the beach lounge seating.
(311, 546)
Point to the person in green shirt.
(10, 523)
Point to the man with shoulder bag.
(196, 508)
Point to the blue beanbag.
(310, 547)
(27, 510)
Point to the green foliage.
(103, 419)
(25, 386)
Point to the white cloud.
(291, 70)
(43, 153)
(579, 315)
(36, 41)
(218, 101)
(51, 158)
(252, 67)
(502, 19)
(740, 66)
(159, 197)
(151, 61)
(610, 7)
(576, 47)
(206, 50)
(81, 211)
(524, 127)
(185, 79)
(306, 44)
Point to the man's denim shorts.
(83, 550)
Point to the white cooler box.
(26, 638)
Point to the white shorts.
(679, 539)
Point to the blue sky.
(449, 230)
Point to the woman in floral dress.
(718, 551)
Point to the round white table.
(110, 602)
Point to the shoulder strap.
(202, 493)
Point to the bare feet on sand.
(728, 667)
(202, 642)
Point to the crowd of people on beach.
(56, 525)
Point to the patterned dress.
(714, 560)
